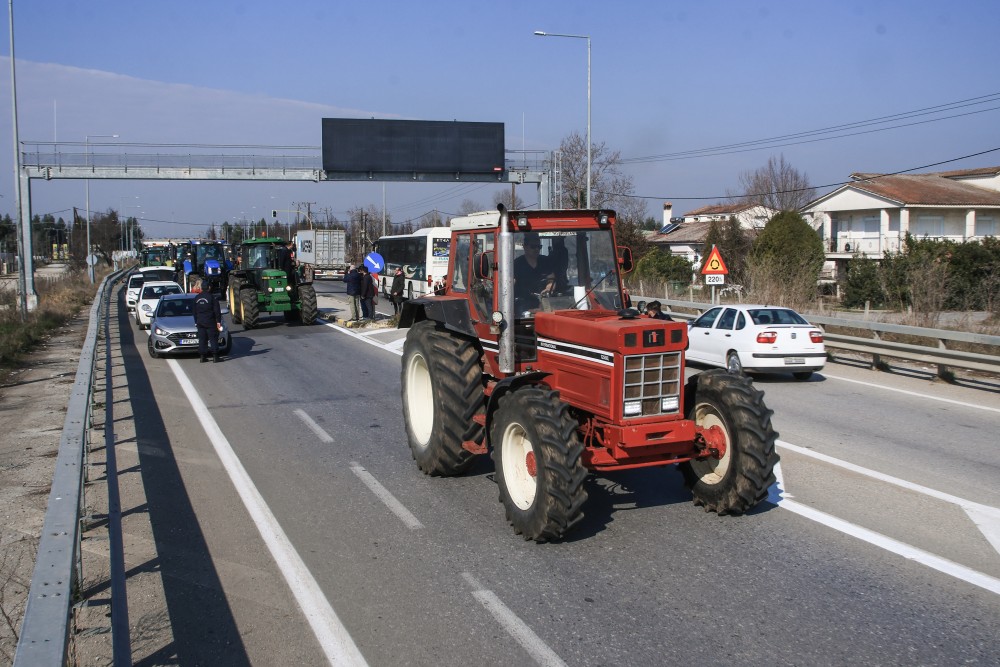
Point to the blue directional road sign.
(374, 262)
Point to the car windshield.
(135, 282)
(174, 308)
(775, 316)
(565, 269)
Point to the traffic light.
(274, 213)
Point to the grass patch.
(59, 301)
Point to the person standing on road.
(353, 280)
(396, 291)
(208, 318)
(367, 295)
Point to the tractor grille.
(649, 379)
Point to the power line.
(812, 187)
(772, 142)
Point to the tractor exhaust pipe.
(505, 292)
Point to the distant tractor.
(532, 354)
(155, 256)
(261, 284)
(204, 262)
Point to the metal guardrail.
(45, 635)
(941, 356)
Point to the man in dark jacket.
(353, 280)
(208, 319)
(367, 294)
(396, 291)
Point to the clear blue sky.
(668, 77)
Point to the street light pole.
(90, 267)
(541, 33)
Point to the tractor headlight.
(270, 289)
(633, 408)
(288, 288)
(669, 404)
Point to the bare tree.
(607, 182)
(510, 200)
(468, 206)
(777, 185)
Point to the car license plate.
(188, 341)
(791, 361)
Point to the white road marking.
(313, 426)
(986, 518)
(913, 393)
(362, 337)
(514, 626)
(383, 494)
(777, 495)
(334, 639)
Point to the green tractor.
(259, 284)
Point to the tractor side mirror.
(484, 265)
(625, 259)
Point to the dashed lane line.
(386, 497)
(313, 426)
(514, 626)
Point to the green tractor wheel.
(307, 304)
(251, 311)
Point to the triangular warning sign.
(713, 264)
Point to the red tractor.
(531, 353)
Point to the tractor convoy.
(532, 355)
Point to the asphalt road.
(883, 563)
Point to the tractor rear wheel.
(537, 453)
(308, 307)
(738, 480)
(442, 386)
(249, 310)
(234, 305)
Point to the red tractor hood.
(606, 330)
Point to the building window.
(928, 225)
(987, 226)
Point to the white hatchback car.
(756, 338)
(138, 277)
(148, 298)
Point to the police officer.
(208, 318)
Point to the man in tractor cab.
(534, 273)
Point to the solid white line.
(362, 337)
(333, 637)
(313, 426)
(912, 393)
(514, 626)
(985, 517)
(777, 494)
(383, 494)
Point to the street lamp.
(90, 269)
(541, 33)
(123, 219)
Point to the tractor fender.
(505, 386)
(452, 313)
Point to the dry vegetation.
(58, 301)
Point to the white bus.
(423, 255)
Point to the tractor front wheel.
(442, 386)
(250, 311)
(537, 453)
(738, 480)
(308, 307)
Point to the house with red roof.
(874, 212)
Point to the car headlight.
(159, 332)
(146, 307)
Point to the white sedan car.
(137, 278)
(148, 298)
(756, 338)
